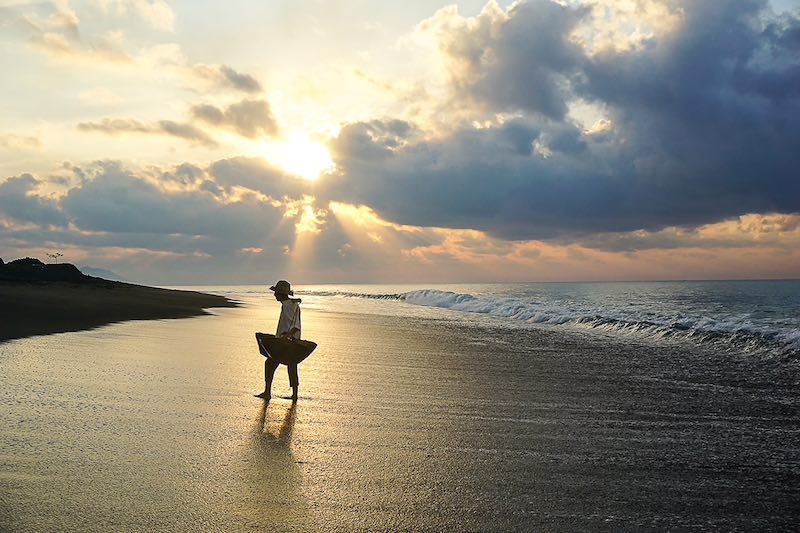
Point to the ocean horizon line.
(416, 283)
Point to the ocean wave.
(349, 294)
(737, 332)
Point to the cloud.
(624, 25)
(11, 141)
(225, 76)
(157, 225)
(185, 131)
(55, 29)
(747, 231)
(486, 179)
(520, 59)
(113, 126)
(96, 206)
(702, 125)
(167, 225)
(142, 220)
(257, 175)
(19, 201)
(157, 13)
(42, 17)
(111, 202)
(248, 118)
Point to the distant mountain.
(101, 273)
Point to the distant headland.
(38, 298)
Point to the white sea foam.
(736, 331)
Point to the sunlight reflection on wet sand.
(401, 424)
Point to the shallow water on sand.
(412, 424)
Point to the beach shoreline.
(403, 423)
(44, 307)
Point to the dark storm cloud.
(118, 201)
(176, 244)
(257, 175)
(18, 201)
(486, 179)
(185, 210)
(248, 118)
(526, 65)
(668, 239)
(113, 126)
(706, 124)
(182, 200)
(184, 174)
(186, 216)
(116, 207)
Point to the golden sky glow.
(349, 141)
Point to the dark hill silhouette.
(30, 269)
(37, 298)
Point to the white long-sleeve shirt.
(290, 318)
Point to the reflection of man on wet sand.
(288, 327)
(284, 434)
(270, 498)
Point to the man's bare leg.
(269, 371)
(294, 381)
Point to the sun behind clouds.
(300, 155)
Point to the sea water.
(758, 318)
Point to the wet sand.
(42, 307)
(419, 425)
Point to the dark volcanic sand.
(36, 308)
(402, 425)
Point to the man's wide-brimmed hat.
(282, 287)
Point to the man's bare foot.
(294, 396)
(265, 395)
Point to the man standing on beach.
(288, 327)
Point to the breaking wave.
(737, 332)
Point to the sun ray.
(308, 224)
